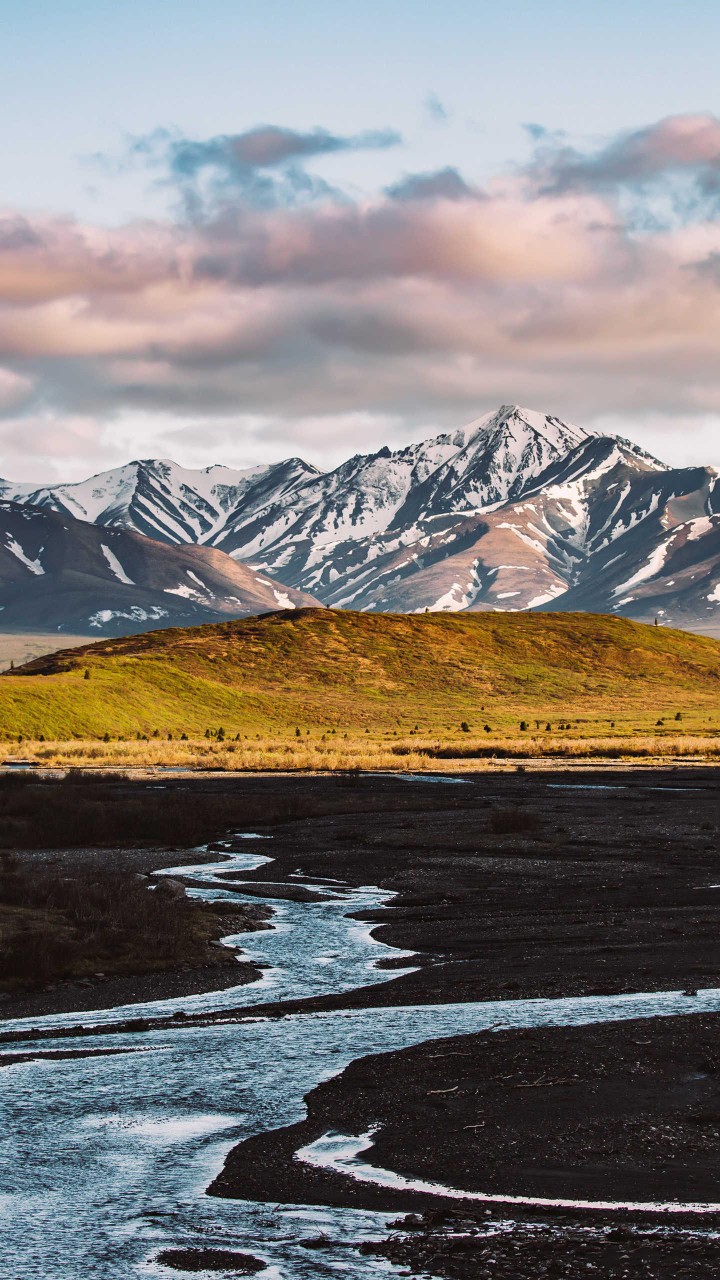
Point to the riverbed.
(106, 1159)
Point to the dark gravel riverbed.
(513, 885)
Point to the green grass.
(321, 670)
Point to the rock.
(167, 888)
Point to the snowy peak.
(500, 454)
(516, 510)
(159, 498)
(525, 428)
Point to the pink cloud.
(415, 308)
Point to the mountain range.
(61, 574)
(518, 510)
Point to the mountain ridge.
(517, 510)
(62, 574)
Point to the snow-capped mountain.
(62, 574)
(164, 501)
(518, 510)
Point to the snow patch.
(188, 593)
(551, 594)
(116, 566)
(698, 528)
(33, 565)
(650, 569)
(134, 614)
(283, 599)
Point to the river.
(105, 1160)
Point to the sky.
(236, 231)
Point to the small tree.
(523, 725)
(221, 735)
(297, 731)
(465, 727)
(678, 715)
(86, 676)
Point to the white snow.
(33, 565)
(115, 565)
(188, 593)
(699, 527)
(283, 599)
(551, 594)
(134, 614)
(650, 569)
(451, 601)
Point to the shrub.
(465, 727)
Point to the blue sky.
(78, 77)
(459, 82)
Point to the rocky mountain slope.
(516, 511)
(66, 575)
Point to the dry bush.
(61, 925)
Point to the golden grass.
(325, 689)
(437, 755)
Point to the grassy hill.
(380, 675)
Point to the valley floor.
(509, 886)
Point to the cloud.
(268, 146)
(445, 184)
(708, 268)
(419, 306)
(435, 110)
(265, 166)
(678, 146)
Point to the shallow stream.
(104, 1161)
